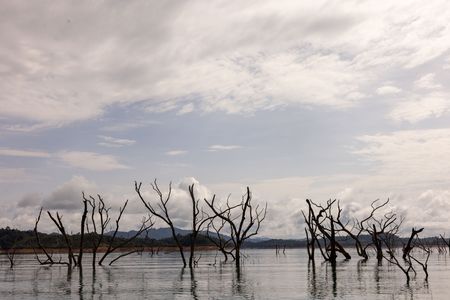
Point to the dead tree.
(383, 229)
(359, 226)
(408, 247)
(199, 218)
(145, 225)
(49, 257)
(62, 230)
(219, 240)
(82, 226)
(244, 224)
(97, 208)
(427, 250)
(446, 242)
(163, 212)
(11, 254)
(325, 216)
(313, 239)
(406, 269)
(311, 232)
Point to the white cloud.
(427, 82)
(409, 157)
(108, 141)
(187, 108)
(388, 90)
(125, 126)
(65, 67)
(422, 107)
(214, 148)
(91, 161)
(176, 152)
(23, 153)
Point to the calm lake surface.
(262, 276)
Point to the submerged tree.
(199, 219)
(409, 246)
(383, 229)
(99, 227)
(323, 222)
(214, 234)
(243, 219)
(162, 212)
(97, 237)
(145, 225)
(62, 230)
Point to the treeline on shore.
(25, 239)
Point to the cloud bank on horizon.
(299, 100)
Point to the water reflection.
(312, 282)
(263, 276)
(193, 285)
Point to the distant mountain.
(258, 239)
(157, 234)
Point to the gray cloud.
(30, 200)
(69, 63)
(68, 195)
(108, 141)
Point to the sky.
(323, 100)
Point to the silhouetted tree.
(99, 227)
(163, 211)
(49, 260)
(383, 229)
(243, 224)
(199, 218)
(223, 243)
(62, 230)
(145, 225)
(320, 219)
(407, 249)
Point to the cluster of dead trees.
(95, 221)
(326, 228)
(227, 226)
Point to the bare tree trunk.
(407, 249)
(112, 248)
(163, 214)
(38, 241)
(83, 222)
(243, 225)
(59, 224)
(332, 242)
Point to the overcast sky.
(297, 99)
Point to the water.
(262, 276)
